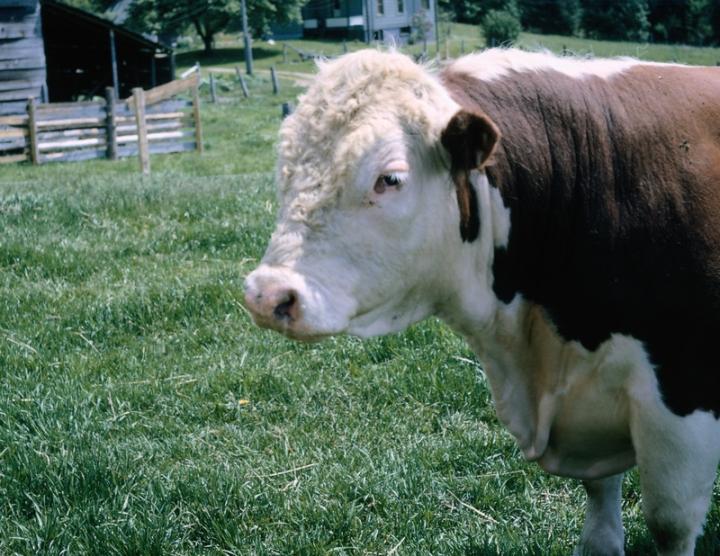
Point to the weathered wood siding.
(72, 131)
(22, 55)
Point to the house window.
(380, 7)
(401, 6)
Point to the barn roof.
(51, 6)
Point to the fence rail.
(153, 121)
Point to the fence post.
(247, 40)
(143, 147)
(345, 46)
(110, 123)
(241, 79)
(287, 109)
(213, 92)
(273, 75)
(285, 53)
(32, 131)
(462, 46)
(113, 63)
(196, 117)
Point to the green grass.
(462, 38)
(142, 413)
(656, 52)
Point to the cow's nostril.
(286, 309)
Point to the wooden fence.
(146, 123)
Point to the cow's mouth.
(289, 328)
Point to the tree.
(560, 17)
(93, 6)
(608, 19)
(685, 21)
(421, 27)
(501, 27)
(473, 11)
(208, 17)
(463, 11)
(715, 22)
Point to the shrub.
(500, 27)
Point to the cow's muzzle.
(280, 299)
(274, 306)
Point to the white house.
(368, 20)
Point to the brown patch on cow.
(614, 229)
(470, 138)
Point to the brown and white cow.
(563, 215)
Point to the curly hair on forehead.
(353, 101)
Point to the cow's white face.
(367, 236)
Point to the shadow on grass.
(221, 56)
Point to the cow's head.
(385, 214)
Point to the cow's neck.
(527, 362)
(572, 168)
(528, 356)
(524, 359)
(533, 371)
(552, 166)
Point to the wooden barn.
(54, 52)
(22, 55)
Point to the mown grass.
(702, 56)
(142, 412)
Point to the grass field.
(459, 37)
(142, 413)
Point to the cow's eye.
(388, 180)
(391, 180)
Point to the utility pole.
(368, 33)
(437, 29)
(246, 40)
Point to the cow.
(562, 215)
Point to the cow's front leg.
(677, 459)
(602, 533)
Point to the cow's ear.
(470, 138)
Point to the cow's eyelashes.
(391, 180)
(394, 179)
